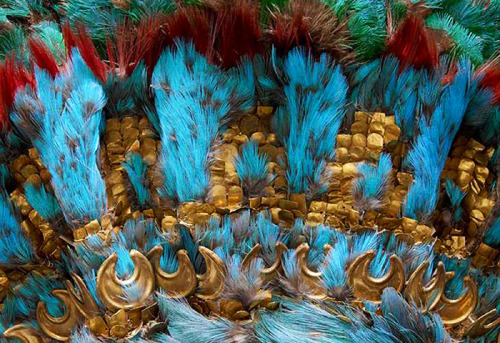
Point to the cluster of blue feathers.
(62, 119)
(192, 102)
(301, 321)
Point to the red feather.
(414, 44)
(491, 79)
(142, 43)
(287, 33)
(238, 33)
(196, 25)
(13, 76)
(69, 37)
(43, 57)
(111, 54)
(89, 54)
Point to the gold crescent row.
(118, 294)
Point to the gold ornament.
(426, 297)
(369, 287)
(309, 277)
(83, 301)
(481, 326)
(112, 290)
(211, 283)
(180, 283)
(266, 274)
(58, 328)
(455, 311)
(24, 333)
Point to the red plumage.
(238, 33)
(13, 76)
(196, 25)
(491, 79)
(414, 45)
(288, 32)
(144, 42)
(43, 57)
(69, 37)
(89, 54)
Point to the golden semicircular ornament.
(58, 328)
(211, 283)
(252, 255)
(455, 311)
(83, 300)
(368, 287)
(178, 284)
(309, 277)
(24, 333)
(269, 272)
(112, 291)
(426, 297)
(481, 326)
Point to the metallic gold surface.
(112, 291)
(180, 283)
(483, 324)
(24, 333)
(268, 273)
(369, 287)
(252, 255)
(426, 297)
(58, 328)
(83, 300)
(309, 277)
(211, 283)
(98, 326)
(455, 311)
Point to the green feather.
(51, 35)
(368, 27)
(466, 43)
(11, 41)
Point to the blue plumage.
(334, 275)
(168, 260)
(181, 318)
(301, 322)
(456, 197)
(65, 132)
(308, 122)
(16, 247)
(43, 201)
(136, 169)
(22, 300)
(492, 234)
(194, 99)
(252, 168)
(431, 147)
(369, 189)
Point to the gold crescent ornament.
(266, 274)
(252, 255)
(112, 290)
(426, 297)
(455, 311)
(24, 333)
(180, 283)
(481, 326)
(211, 283)
(58, 328)
(83, 300)
(368, 287)
(309, 277)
